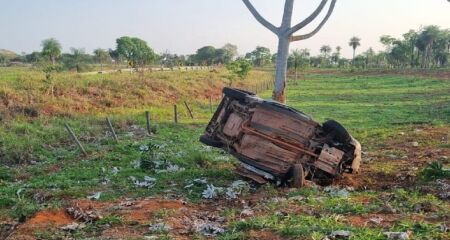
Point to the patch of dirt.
(381, 169)
(43, 220)
(143, 211)
(123, 232)
(263, 235)
(50, 217)
(137, 215)
(374, 220)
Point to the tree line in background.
(426, 48)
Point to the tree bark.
(353, 59)
(281, 69)
(283, 53)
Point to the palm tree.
(325, 50)
(337, 55)
(51, 48)
(354, 43)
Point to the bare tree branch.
(259, 18)
(309, 19)
(306, 36)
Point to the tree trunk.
(283, 53)
(281, 69)
(353, 59)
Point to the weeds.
(434, 171)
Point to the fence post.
(75, 139)
(210, 104)
(147, 118)
(111, 129)
(175, 114)
(189, 109)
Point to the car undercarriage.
(278, 143)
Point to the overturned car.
(279, 144)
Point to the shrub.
(433, 171)
(240, 67)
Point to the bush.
(240, 67)
(433, 171)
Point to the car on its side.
(277, 143)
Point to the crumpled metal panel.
(329, 159)
(281, 125)
(233, 125)
(267, 154)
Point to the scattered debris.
(415, 144)
(297, 198)
(159, 228)
(197, 181)
(208, 229)
(127, 204)
(143, 148)
(231, 194)
(237, 188)
(277, 199)
(171, 168)
(95, 196)
(85, 215)
(40, 197)
(105, 181)
(444, 189)
(376, 220)
(148, 182)
(398, 235)
(136, 164)
(341, 234)
(115, 170)
(200, 181)
(73, 227)
(336, 192)
(247, 212)
(159, 164)
(211, 192)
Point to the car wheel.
(298, 176)
(210, 142)
(236, 93)
(341, 133)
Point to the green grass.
(39, 159)
(368, 104)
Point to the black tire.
(236, 93)
(298, 176)
(341, 134)
(211, 142)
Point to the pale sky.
(183, 26)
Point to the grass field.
(403, 123)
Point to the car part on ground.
(278, 143)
